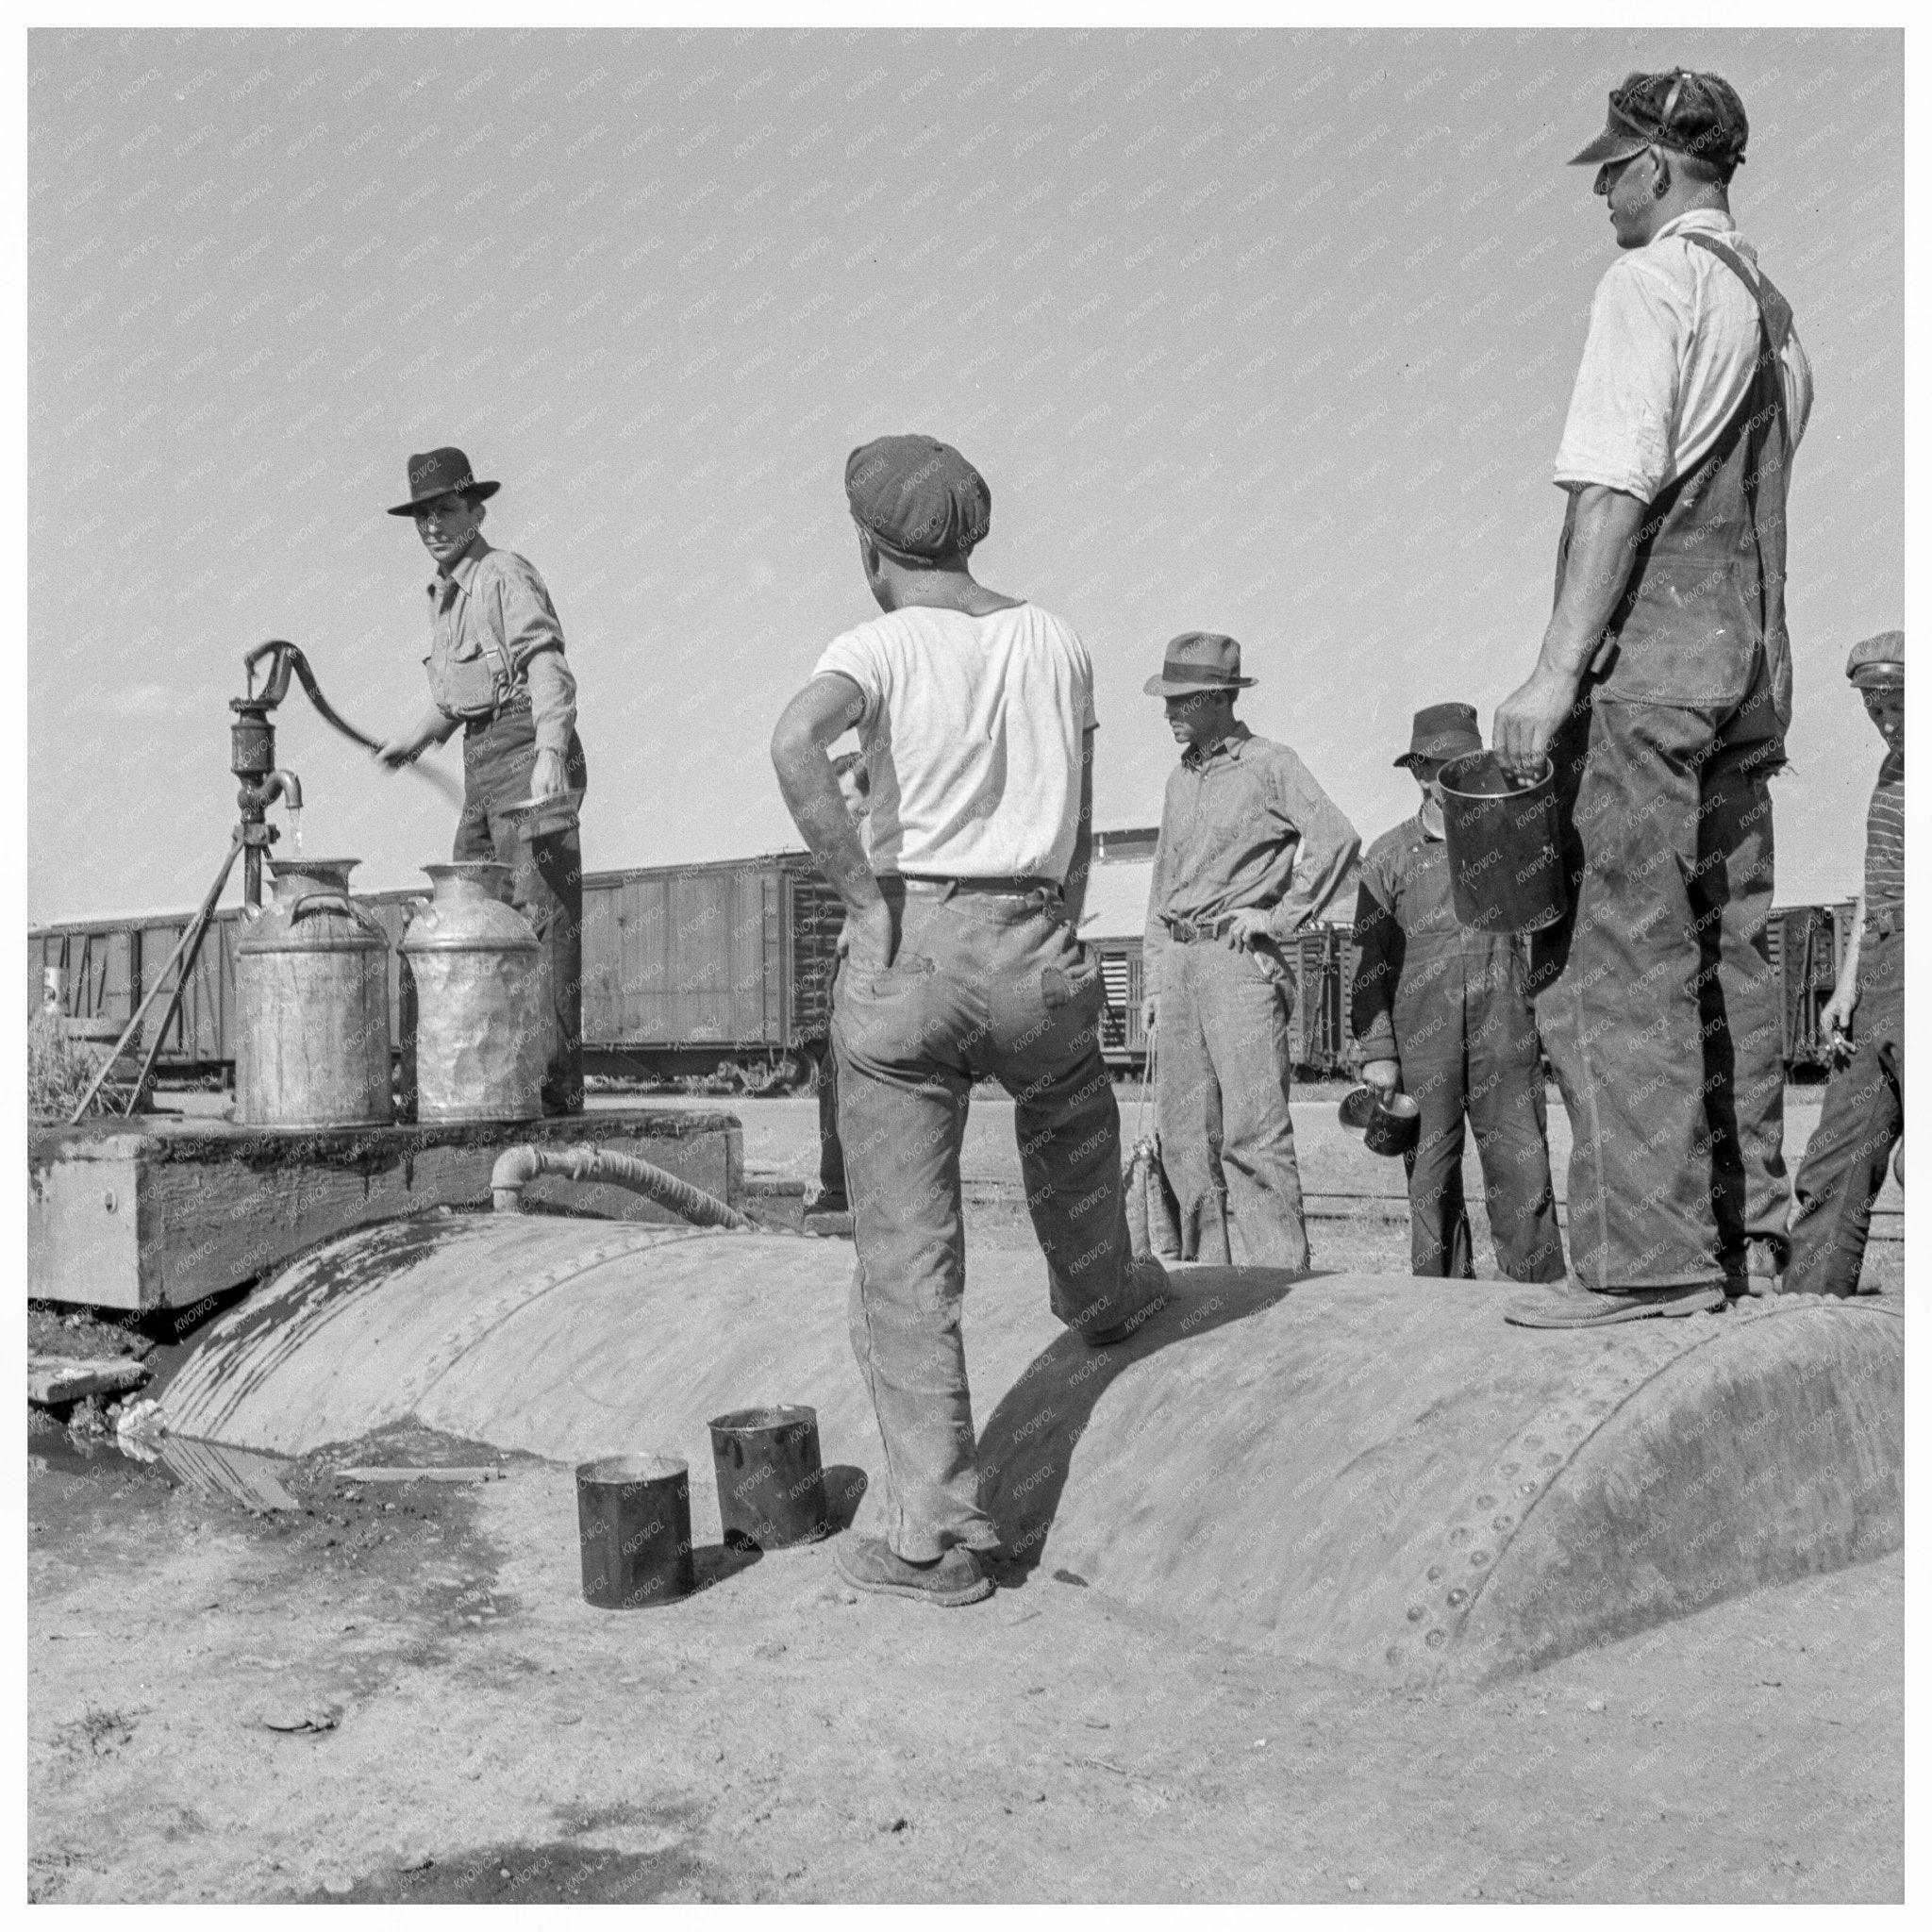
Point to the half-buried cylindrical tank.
(473, 1023)
(311, 983)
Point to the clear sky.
(1270, 333)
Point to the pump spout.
(282, 785)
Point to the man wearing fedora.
(497, 673)
(1440, 1011)
(1251, 851)
(1661, 695)
(974, 713)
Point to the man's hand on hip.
(1529, 718)
(867, 939)
(1247, 925)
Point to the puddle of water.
(153, 1466)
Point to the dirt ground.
(475, 1732)
(776, 1738)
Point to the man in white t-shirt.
(974, 713)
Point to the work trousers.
(1651, 994)
(547, 881)
(1468, 1048)
(981, 985)
(1863, 1118)
(1226, 1136)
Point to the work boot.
(869, 1562)
(1149, 1277)
(1584, 1309)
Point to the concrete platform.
(159, 1212)
(1370, 1472)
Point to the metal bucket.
(771, 1488)
(311, 986)
(1505, 861)
(634, 1524)
(474, 1021)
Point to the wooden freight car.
(688, 970)
(726, 967)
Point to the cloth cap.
(1692, 113)
(1199, 660)
(1877, 661)
(1442, 731)
(920, 499)
(438, 473)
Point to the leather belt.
(1189, 932)
(1013, 887)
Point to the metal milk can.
(475, 1020)
(312, 981)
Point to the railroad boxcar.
(726, 967)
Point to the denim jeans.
(1226, 1136)
(1468, 1048)
(1651, 992)
(981, 984)
(548, 882)
(1863, 1118)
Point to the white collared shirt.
(1672, 346)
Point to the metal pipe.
(516, 1167)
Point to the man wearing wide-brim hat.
(497, 674)
(1251, 850)
(1864, 1114)
(1662, 694)
(1439, 1011)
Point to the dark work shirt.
(1404, 913)
(1244, 824)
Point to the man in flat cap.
(1251, 851)
(1864, 1114)
(1440, 1010)
(497, 674)
(1662, 694)
(976, 716)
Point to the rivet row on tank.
(1478, 1559)
(1416, 1613)
(1435, 1573)
(1458, 1597)
(1436, 1638)
(1486, 1502)
(1504, 1523)
(1459, 1535)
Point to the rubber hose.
(516, 1167)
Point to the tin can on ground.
(634, 1524)
(771, 1488)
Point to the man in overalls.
(1662, 694)
(1440, 1010)
(497, 673)
(1865, 1104)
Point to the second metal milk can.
(473, 1032)
(311, 983)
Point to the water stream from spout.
(296, 831)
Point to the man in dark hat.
(1440, 1010)
(974, 712)
(1662, 694)
(1251, 851)
(497, 674)
(1864, 1115)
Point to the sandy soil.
(777, 1737)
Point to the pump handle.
(289, 658)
